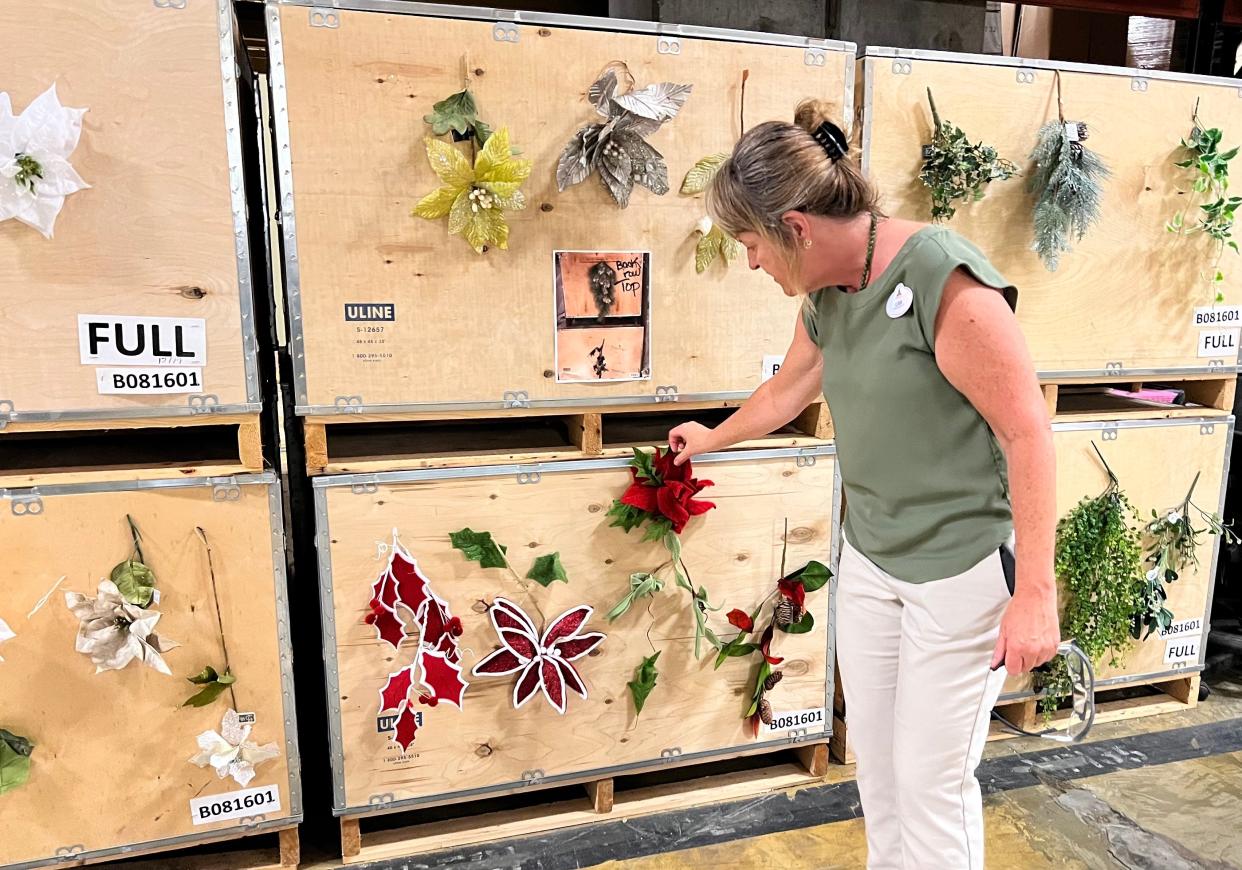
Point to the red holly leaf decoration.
(409, 585)
(741, 619)
(434, 621)
(441, 677)
(396, 689)
(388, 627)
(794, 591)
(407, 726)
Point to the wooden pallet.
(78, 449)
(1167, 696)
(357, 443)
(1087, 399)
(603, 800)
(278, 850)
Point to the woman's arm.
(775, 403)
(982, 352)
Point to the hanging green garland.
(1099, 562)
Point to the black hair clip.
(832, 139)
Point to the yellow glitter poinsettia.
(476, 198)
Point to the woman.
(912, 339)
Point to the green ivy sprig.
(955, 168)
(1174, 546)
(1210, 168)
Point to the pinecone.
(773, 678)
(787, 613)
(765, 711)
(1082, 131)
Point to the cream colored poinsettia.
(476, 197)
(231, 752)
(114, 632)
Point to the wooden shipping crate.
(160, 232)
(110, 774)
(487, 746)
(1155, 461)
(468, 331)
(1124, 299)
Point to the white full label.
(1218, 315)
(148, 381)
(243, 804)
(121, 340)
(771, 365)
(811, 721)
(1183, 627)
(1181, 649)
(1221, 343)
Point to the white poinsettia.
(114, 632)
(6, 633)
(35, 174)
(231, 752)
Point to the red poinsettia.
(664, 489)
(741, 619)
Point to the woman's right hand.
(688, 440)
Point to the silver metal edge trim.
(450, 797)
(331, 667)
(237, 191)
(1120, 375)
(1113, 682)
(568, 404)
(159, 845)
(583, 22)
(266, 477)
(131, 413)
(1140, 423)
(868, 97)
(834, 556)
(1038, 63)
(284, 189)
(1220, 512)
(847, 99)
(329, 481)
(280, 582)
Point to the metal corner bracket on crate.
(327, 14)
(370, 486)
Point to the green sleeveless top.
(926, 489)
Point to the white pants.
(915, 661)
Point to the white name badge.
(899, 302)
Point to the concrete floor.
(1180, 815)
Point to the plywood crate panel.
(349, 104)
(1125, 297)
(1155, 461)
(488, 747)
(160, 232)
(110, 771)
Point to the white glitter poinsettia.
(6, 633)
(231, 752)
(35, 175)
(114, 632)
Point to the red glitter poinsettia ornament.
(541, 662)
(663, 493)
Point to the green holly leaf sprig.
(954, 168)
(644, 681)
(15, 755)
(481, 547)
(213, 686)
(460, 114)
(134, 580)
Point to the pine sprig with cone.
(1067, 183)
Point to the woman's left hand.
(1030, 630)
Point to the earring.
(806, 243)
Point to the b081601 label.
(811, 721)
(148, 381)
(242, 804)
